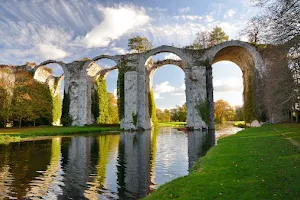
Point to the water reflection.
(198, 144)
(134, 165)
(125, 166)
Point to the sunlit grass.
(172, 124)
(53, 131)
(256, 163)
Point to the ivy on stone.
(95, 104)
(249, 111)
(203, 110)
(121, 89)
(152, 108)
(134, 119)
(66, 119)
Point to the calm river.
(128, 165)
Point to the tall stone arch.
(195, 82)
(91, 71)
(251, 63)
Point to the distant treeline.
(223, 112)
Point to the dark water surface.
(125, 166)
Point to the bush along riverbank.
(256, 163)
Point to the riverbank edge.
(238, 167)
(17, 134)
(8, 135)
(171, 125)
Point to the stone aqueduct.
(139, 68)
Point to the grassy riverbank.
(5, 134)
(172, 124)
(256, 163)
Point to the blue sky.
(67, 30)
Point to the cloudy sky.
(67, 30)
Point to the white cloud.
(172, 56)
(225, 62)
(119, 50)
(157, 96)
(33, 42)
(228, 85)
(165, 87)
(171, 33)
(184, 10)
(229, 14)
(180, 91)
(188, 17)
(116, 22)
(209, 18)
(50, 51)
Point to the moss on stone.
(95, 105)
(66, 119)
(134, 119)
(249, 111)
(121, 88)
(205, 62)
(203, 110)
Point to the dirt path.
(293, 142)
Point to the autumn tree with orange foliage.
(223, 111)
(31, 100)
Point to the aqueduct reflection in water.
(125, 166)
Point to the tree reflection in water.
(125, 166)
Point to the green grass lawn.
(172, 124)
(53, 131)
(256, 163)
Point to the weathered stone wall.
(197, 96)
(79, 87)
(277, 83)
(138, 69)
(130, 112)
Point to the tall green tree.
(163, 116)
(217, 36)
(42, 105)
(139, 44)
(178, 114)
(57, 108)
(152, 108)
(21, 102)
(113, 109)
(31, 100)
(103, 117)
